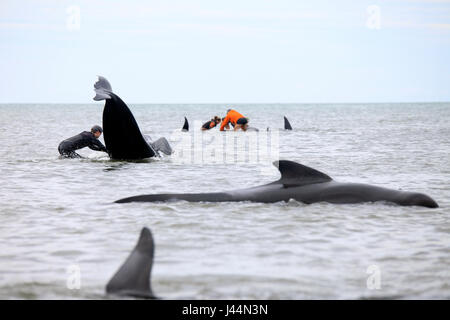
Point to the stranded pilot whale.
(133, 277)
(122, 135)
(303, 184)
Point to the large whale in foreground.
(303, 184)
(122, 135)
(133, 277)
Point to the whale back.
(294, 174)
(133, 277)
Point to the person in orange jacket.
(236, 119)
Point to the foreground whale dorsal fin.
(287, 125)
(296, 174)
(133, 277)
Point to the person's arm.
(224, 123)
(96, 145)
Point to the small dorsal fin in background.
(186, 125)
(287, 125)
(133, 277)
(102, 89)
(296, 174)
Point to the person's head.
(217, 119)
(96, 131)
(245, 125)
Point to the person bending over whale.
(211, 123)
(84, 139)
(236, 119)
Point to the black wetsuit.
(207, 125)
(84, 139)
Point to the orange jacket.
(232, 117)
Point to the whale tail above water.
(122, 135)
(134, 276)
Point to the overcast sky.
(226, 51)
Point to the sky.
(209, 51)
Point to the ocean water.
(57, 215)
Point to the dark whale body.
(303, 184)
(133, 277)
(122, 135)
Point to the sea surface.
(63, 237)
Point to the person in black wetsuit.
(211, 123)
(84, 139)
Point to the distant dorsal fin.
(287, 125)
(186, 125)
(133, 277)
(296, 174)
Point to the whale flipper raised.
(122, 135)
(186, 125)
(133, 277)
(287, 125)
(162, 145)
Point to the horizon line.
(228, 103)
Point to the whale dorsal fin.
(287, 125)
(186, 125)
(133, 277)
(296, 174)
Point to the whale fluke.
(133, 277)
(287, 125)
(102, 89)
(296, 174)
(186, 125)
